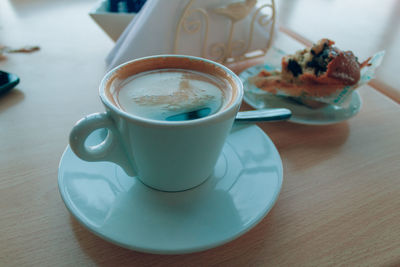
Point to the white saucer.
(243, 188)
(329, 114)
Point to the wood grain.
(339, 204)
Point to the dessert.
(317, 72)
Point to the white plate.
(330, 114)
(243, 188)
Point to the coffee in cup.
(171, 94)
(167, 118)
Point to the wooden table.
(340, 201)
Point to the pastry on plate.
(316, 72)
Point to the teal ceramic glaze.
(166, 155)
(241, 190)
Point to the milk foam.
(160, 94)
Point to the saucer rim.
(262, 214)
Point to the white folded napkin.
(221, 30)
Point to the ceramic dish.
(242, 189)
(329, 114)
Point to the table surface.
(340, 201)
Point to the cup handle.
(110, 149)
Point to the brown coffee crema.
(112, 83)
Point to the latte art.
(172, 93)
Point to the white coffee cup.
(165, 155)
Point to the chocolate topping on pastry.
(317, 71)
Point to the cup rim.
(233, 107)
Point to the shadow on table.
(10, 98)
(298, 144)
(243, 250)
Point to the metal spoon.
(260, 115)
